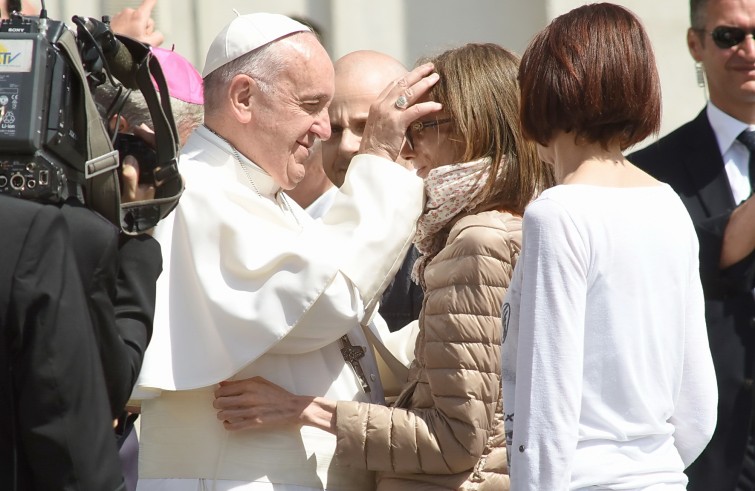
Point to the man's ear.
(118, 122)
(241, 91)
(695, 43)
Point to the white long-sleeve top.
(607, 375)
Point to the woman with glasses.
(607, 375)
(445, 431)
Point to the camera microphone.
(118, 57)
(122, 66)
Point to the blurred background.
(410, 29)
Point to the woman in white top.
(607, 375)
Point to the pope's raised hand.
(395, 109)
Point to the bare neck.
(741, 112)
(590, 163)
(222, 128)
(314, 185)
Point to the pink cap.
(184, 81)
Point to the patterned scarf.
(450, 189)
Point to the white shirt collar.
(725, 127)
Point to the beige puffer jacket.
(448, 432)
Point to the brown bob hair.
(479, 90)
(591, 72)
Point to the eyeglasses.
(418, 126)
(727, 37)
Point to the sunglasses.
(727, 37)
(418, 126)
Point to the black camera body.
(40, 137)
(53, 139)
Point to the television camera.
(54, 143)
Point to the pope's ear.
(695, 43)
(243, 90)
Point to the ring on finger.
(402, 102)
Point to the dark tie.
(747, 137)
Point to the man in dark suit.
(706, 163)
(55, 418)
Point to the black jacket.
(402, 300)
(119, 279)
(690, 161)
(55, 419)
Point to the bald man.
(360, 77)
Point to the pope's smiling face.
(292, 113)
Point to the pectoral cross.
(352, 354)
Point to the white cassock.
(399, 343)
(319, 207)
(252, 285)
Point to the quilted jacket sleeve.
(450, 400)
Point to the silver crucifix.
(352, 354)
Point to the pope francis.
(252, 286)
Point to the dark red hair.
(591, 72)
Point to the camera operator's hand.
(26, 8)
(131, 190)
(138, 24)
